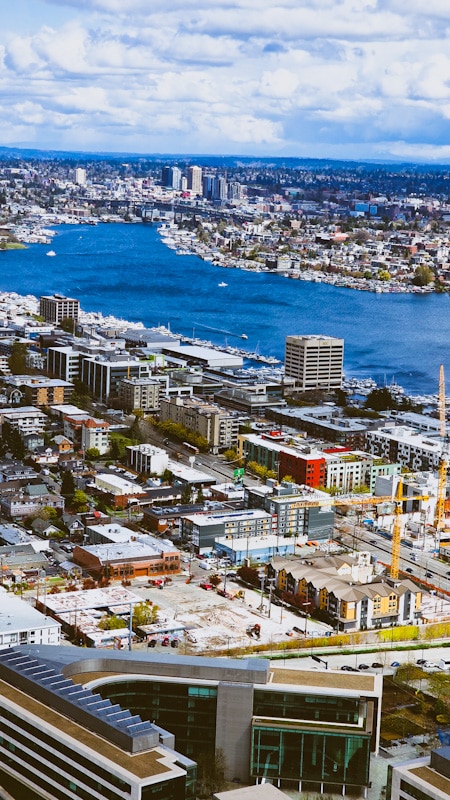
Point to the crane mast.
(439, 517)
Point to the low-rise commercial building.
(203, 529)
(142, 556)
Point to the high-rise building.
(80, 176)
(171, 177)
(315, 362)
(207, 186)
(219, 188)
(57, 307)
(195, 180)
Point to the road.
(415, 563)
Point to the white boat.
(222, 283)
(51, 253)
(244, 336)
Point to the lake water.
(125, 270)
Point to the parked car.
(408, 569)
(363, 666)
(348, 668)
(421, 661)
(206, 586)
(395, 663)
(377, 665)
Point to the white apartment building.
(315, 362)
(405, 446)
(22, 624)
(351, 469)
(26, 419)
(144, 458)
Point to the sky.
(353, 79)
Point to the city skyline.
(323, 79)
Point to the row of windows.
(66, 751)
(413, 791)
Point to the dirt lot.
(217, 623)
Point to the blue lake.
(125, 270)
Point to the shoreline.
(184, 243)
(14, 306)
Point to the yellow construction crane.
(397, 501)
(439, 517)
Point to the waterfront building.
(220, 428)
(194, 180)
(315, 362)
(425, 778)
(56, 307)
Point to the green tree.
(211, 773)
(111, 623)
(67, 484)
(68, 324)
(423, 275)
(144, 613)
(79, 501)
(380, 399)
(17, 361)
(384, 275)
(92, 453)
(186, 494)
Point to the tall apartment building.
(219, 427)
(57, 307)
(315, 362)
(80, 176)
(171, 177)
(140, 393)
(194, 180)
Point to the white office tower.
(195, 180)
(315, 362)
(80, 176)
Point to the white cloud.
(228, 75)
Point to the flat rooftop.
(143, 765)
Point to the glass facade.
(187, 711)
(287, 749)
(310, 708)
(291, 756)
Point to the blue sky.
(317, 78)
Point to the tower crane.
(439, 517)
(397, 501)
